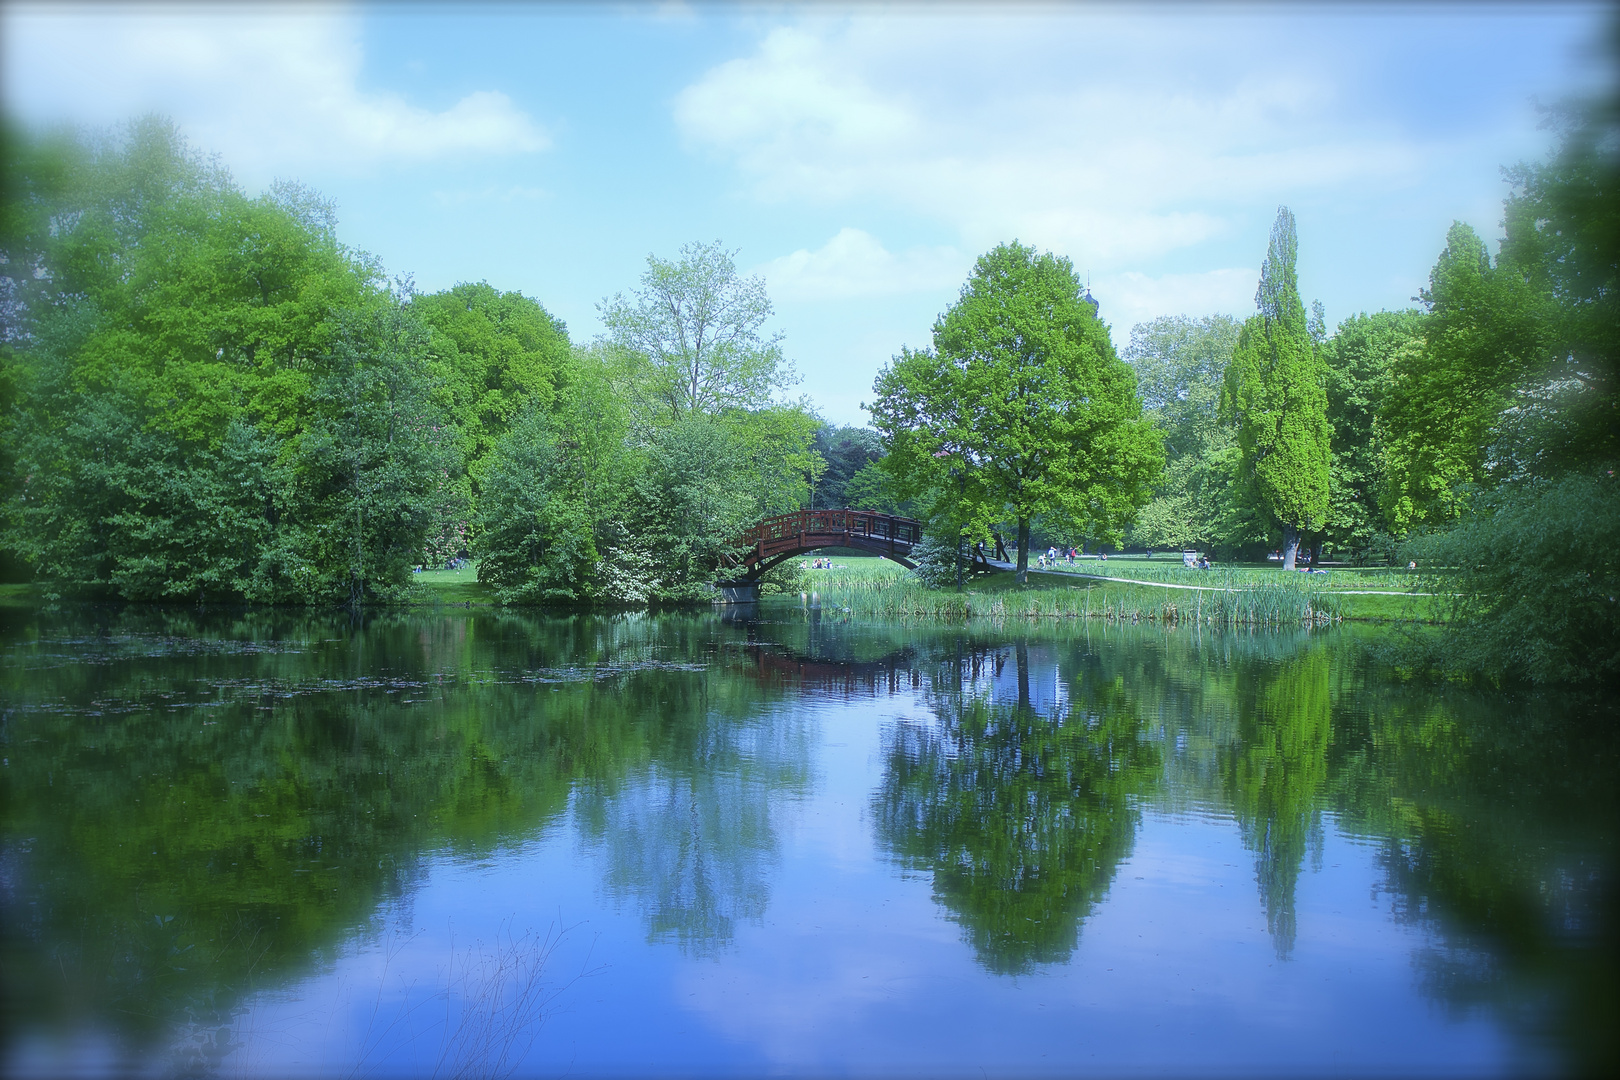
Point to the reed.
(1283, 601)
(1245, 577)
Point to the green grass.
(1243, 595)
(20, 594)
(452, 587)
(1245, 575)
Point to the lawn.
(460, 586)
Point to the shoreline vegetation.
(1239, 596)
(1160, 592)
(1133, 589)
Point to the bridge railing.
(786, 530)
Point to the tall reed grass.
(1245, 577)
(1284, 601)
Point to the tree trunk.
(1316, 551)
(1023, 551)
(1290, 546)
(958, 562)
(1022, 653)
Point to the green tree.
(493, 355)
(1530, 600)
(1562, 236)
(872, 488)
(1024, 398)
(552, 491)
(168, 339)
(686, 507)
(692, 337)
(1482, 333)
(1274, 394)
(370, 460)
(846, 451)
(1180, 364)
(1361, 358)
(536, 541)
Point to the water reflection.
(1018, 799)
(1274, 773)
(201, 807)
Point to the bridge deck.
(777, 539)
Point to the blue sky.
(857, 157)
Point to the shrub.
(1533, 575)
(936, 561)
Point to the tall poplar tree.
(1275, 395)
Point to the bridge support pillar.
(738, 592)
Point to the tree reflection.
(1494, 820)
(1022, 817)
(200, 807)
(1275, 774)
(690, 838)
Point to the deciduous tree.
(1020, 408)
(692, 336)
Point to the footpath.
(1195, 588)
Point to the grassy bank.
(452, 587)
(1141, 591)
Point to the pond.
(734, 843)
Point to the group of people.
(820, 564)
(1052, 556)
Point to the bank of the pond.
(1132, 591)
(1126, 590)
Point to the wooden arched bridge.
(777, 539)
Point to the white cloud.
(1111, 153)
(854, 264)
(270, 89)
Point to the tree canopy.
(1020, 408)
(693, 332)
(1180, 365)
(1276, 399)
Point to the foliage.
(493, 355)
(1446, 398)
(1020, 408)
(370, 464)
(207, 398)
(537, 540)
(872, 488)
(553, 493)
(1562, 224)
(938, 560)
(774, 446)
(1360, 359)
(212, 395)
(846, 451)
(685, 512)
(1180, 364)
(1274, 395)
(1534, 580)
(691, 337)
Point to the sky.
(859, 158)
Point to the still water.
(494, 844)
